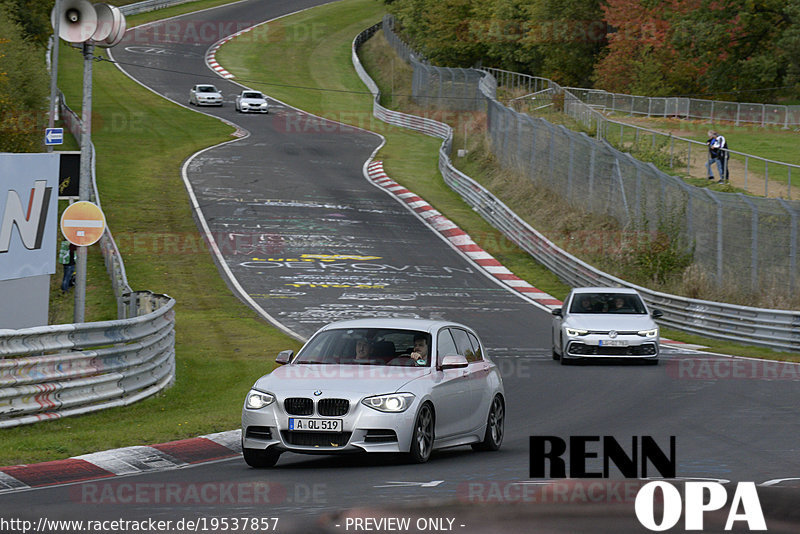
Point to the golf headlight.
(648, 333)
(258, 399)
(395, 403)
(572, 332)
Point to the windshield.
(207, 89)
(368, 346)
(607, 303)
(251, 95)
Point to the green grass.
(221, 345)
(160, 14)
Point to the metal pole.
(84, 188)
(54, 72)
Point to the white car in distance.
(251, 102)
(205, 95)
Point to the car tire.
(495, 428)
(422, 437)
(259, 458)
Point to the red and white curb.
(125, 461)
(459, 238)
(211, 59)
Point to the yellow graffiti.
(335, 257)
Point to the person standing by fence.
(717, 152)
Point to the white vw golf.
(603, 322)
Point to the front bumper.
(209, 102)
(363, 429)
(244, 108)
(593, 346)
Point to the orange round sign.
(83, 223)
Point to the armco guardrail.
(776, 329)
(111, 255)
(150, 5)
(56, 371)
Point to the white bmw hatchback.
(603, 322)
(377, 385)
(205, 95)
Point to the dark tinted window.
(360, 346)
(607, 303)
(476, 347)
(463, 344)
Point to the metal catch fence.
(682, 155)
(552, 154)
(740, 241)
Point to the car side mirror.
(557, 312)
(284, 357)
(454, 361)
(657, 313)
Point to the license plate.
(315, 425)
(613, 343)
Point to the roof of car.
(400, 323)
(605, 290)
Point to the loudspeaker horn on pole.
(118, 29)
(105, 22)
(110, 25)
(78, 20)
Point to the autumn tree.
(642, 56)
(745, 46)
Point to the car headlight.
(572, 332)
(394, 403)
(648, 333)
(258, 399)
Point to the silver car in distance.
(377, 385)
(205, 95)
(603, 322)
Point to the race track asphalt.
(310, 240)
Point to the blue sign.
(53, 136)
